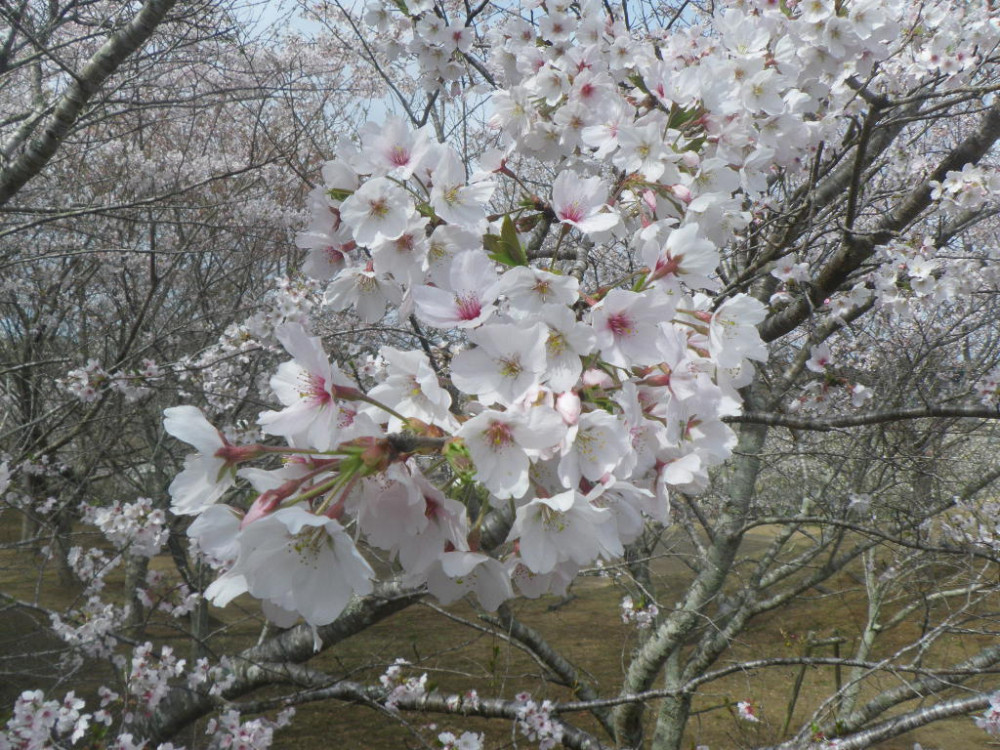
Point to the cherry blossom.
(502, 443)
(747, 711)
(453, 199)
(989, 722)
(821, 358)
(207, 474)
(298, 561)
(456, 573)
(530, 290)
(473, 287)
(411, 387)
(313, 392)
(578, 202)
(561, 528)
(393, 148)
(379, 209)
(576, 382)
(595, 446)
(507, 362)
(625, 323)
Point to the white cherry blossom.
(207, 474)
(298, 561)
(507, 362)
(578, 202)
(378, 210)
(561, 528)
(502, 443)
(468, 300)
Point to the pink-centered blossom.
(684, 256)
(627, 326)
(299, 562)
(469, 300)
(394, 149)
(208, 473)
(820, 358)
(747, 711)
(312, 390)
(580, 202)
(502, 444)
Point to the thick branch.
(983, 662)
(678, 626)
(72, 103)
(369, 695)
(898, 725)
(253, 668)
(857, 248)
(859, 420)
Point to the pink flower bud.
(568, 406)
(682, 192)
(267, 502)
(596, 379)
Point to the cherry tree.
(109, 296)
(602, 284)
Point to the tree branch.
(72, 103)
(860, 420)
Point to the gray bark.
(264, 664)
(74, 101)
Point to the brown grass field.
(457, 658)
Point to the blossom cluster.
(401, 688)
(90, 628)
(967, 189)
(217, 678)
(583, 405)
(534, 720)
(37, 723)
(149, 677)
(89, 382)
(160, 593)
(643, 616)
(467, 741)
(528, 376)
(582, 408)
(577, 390)
(137, 527)
(91, 565)
(229, 732)
(989, 722)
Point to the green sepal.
(457, 455)
(339, 194)
(506, 248)
(424, 209)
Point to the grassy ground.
(457, 658)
